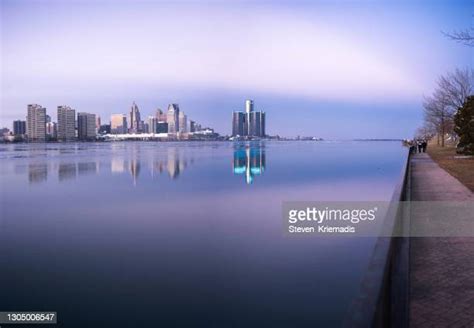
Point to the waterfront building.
(152, 124)
(249, 124)
(97, 123)
(118, 123)
(66, 123)
(52, 130)
(183, 122)
(36, 123)
(173, 118)
(104, 129)
(161, 127)
(19, 127)
(238, 122)
(161, 117)
(135, 126)
(86, 126)
(192, 126)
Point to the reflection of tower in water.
(134, 169)
(173, 163)
(37, 172)
(249, 161)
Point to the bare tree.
(438, 115)
(455, 87)
(465, 37)
(450, 94)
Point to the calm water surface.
(183, 234)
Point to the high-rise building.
(152, 123)
(238, 122)
(192, 126)
(52, 130)
(162, 117)
(173, 118)
(19, 127)
(250, 124)
(36, 123)
(135, 126)
(118, 123)
(183, 122)
(66, 123)
(86, 126)
(97, 124)
(248, 106)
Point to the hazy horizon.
(344, 69)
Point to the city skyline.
(347, 77)
(39, 127)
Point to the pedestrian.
(420, 145)
(424, 144)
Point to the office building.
(104, 129)
(135, 120)
(192, 126)
(238, 122)
(66, 123)
(97, 123)
(152, 124)
(36, 123)
(118, 123)
(86, 126)
(162, 117)
(161, 127)
(173, 118)
(52, 130)
(19, 127)
(250, 123)
(183, 122)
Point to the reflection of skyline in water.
(249, 161)
(173, 162)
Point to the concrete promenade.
(441, 268)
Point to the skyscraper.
(238, 121)
(152, 124)
(86, 126)
(97, 123)
(118, 123)
(19, 127)
(52, 130)
(183, 122)
(36, 123)
(173, 118)
(192, 126)
(161, 117)
(249, 124)
(66, 123)
(135, 120)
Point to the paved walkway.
(441, 268)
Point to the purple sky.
(335, 69)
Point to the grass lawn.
(460, 168)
